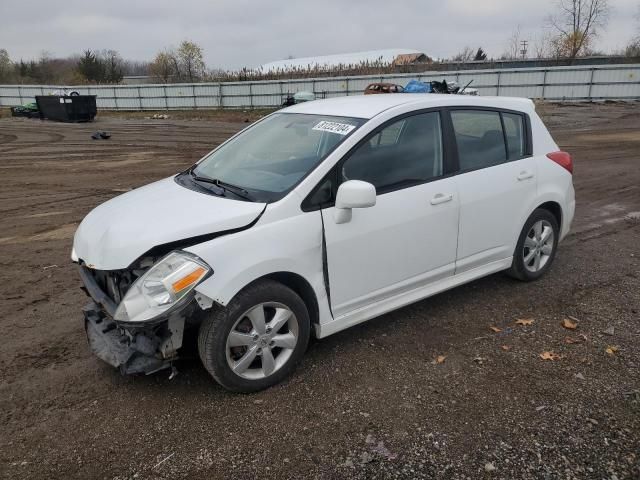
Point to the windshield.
(271, 157)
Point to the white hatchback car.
(316, 218)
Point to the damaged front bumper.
(146, 347)
(139, 349)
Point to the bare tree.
(186, 63)
(576, 24)
(633, 49)
(466, 55)
(112, 66)
(135, 67)
(513, 45)
(542, 45)
(175, 61)
(45, 67)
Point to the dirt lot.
(369, 402)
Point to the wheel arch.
(555, 209)
(549, 203)
(301, 287)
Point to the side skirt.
(384, 306)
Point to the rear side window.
(404, 153)
(514, 130)
(479, 138)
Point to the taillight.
(563, 159)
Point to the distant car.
(298, 97)
(376, 88)
(316, 218)
(29, 110)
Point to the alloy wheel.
(538, 246)
(262, 340)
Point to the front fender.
(292, 245)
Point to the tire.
(531, 248)
(243, 358)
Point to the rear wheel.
(257, 340)
(536, 246)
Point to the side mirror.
(353, 194)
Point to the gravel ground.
(428, 391)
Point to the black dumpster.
(73, 108)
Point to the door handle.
(524, 175)
(441, 198)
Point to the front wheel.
(257, 340)
(536, 246)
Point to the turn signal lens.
(188, 280)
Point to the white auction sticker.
(334, 127)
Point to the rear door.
(496, 182)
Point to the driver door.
(408, 238)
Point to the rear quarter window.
(514, 126)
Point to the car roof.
(368, 106)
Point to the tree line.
(182, 64)
(571, 31)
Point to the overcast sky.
(236, 33)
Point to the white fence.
(583, 83)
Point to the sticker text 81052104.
(334, 127)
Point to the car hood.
(120, 230)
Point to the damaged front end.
(137, 317)
(138, 349)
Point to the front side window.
(479, 138)
(406, 152)
(271, 157)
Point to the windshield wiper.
(236, 190)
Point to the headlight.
(161, 287)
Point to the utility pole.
(523, 51)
